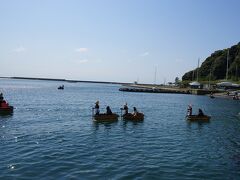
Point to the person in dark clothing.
(97, 108)
(135, 112)
(109, 111)
(189, 110)
(1, 97)
(125, 108)
(200, 112)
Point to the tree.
(177, 80)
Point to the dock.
(153, 90)
(165, 89)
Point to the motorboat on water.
(61, 87)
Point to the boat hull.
(6, 110)
(131, 117)
(105, 117)
(198, 118)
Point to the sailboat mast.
(155, 75)
(227, 65)
(209, 78)
(197, 69)
(236, 72)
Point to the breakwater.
(171, 90)
(148, 90)
(64, 80)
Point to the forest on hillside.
(215, 66)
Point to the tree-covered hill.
(214, 67)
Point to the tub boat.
(198, 118)
(131, 117)
(6, 110)
(105, 117)
(61, 87)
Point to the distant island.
(215, 66)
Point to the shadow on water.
(5, 117)
(238, 115)
(127, 123)
(106, 124)
(200, 124)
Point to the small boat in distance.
(211, 96)
(61, 87)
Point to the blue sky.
(113, 40)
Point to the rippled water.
(51, 135)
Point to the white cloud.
(20, 49)
(144, 54)
(82, 61)
(81, 50)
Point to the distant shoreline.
(64, 80)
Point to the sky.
(113, 40)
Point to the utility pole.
(209, 84)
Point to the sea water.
(51, 134)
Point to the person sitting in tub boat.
(1, 97)
(97, 108)
(109, 111)
(200, 112)
(135, 112)
(4, 104)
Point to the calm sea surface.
(51, 135)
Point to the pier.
(165, 89)
(155, 90)
(144, 90)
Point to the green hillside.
(214, 67)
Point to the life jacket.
(4, 104)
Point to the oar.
(92, 112)
(121, 113)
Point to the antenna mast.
(227, 65)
